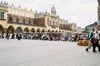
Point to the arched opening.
(19, 30)
(56, 31)
(26, 30)
(60, 31)
(38, 30)
(52, 30)
(43, 30)
(10, 29)
(32, 30)
(1, 29)
(49, 31)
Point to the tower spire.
(53, 10)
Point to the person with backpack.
(95, 41)
(90, 36)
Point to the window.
(53, 22)
(31, 21)
(26, 21)
(20, 20)
(14, 19)
(9, 18)
(50, 22)
(1, 15)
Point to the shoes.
(87, 49)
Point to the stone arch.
(32, 30)
(49, 30)
(10, 29)
(52, 30)
(43, 30)
(1, 29)
(38, 30)
(60, 31)
(26, 29)
(56, 31)
(19, 30)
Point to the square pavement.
(45, 53)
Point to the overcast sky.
(82, 12)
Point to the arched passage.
(49, 31)
(32, 30)
(38, 30)
(19, 30)
(26, 29)
(56, 31)
(52, 30)
(1, 29)
(60, 31)
(10, 29)
(43, 30)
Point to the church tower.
(53, 11)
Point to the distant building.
(80, 29)
(64, 25)
(50, 19)
(20, 20)
(91, 26)
(74, 27)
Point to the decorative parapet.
(3, 4)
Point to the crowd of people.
(93, 37)
(10, 36)
(41, 36)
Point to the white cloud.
(83, 12)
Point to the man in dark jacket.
(90, 36)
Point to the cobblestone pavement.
(45, 53)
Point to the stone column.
(98, 26)
(98, 15)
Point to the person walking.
(7, 36)
(95, 41)
(90, 36)
(19, 36)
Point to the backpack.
(90, 35)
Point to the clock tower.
(53, 11)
